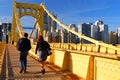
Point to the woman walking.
(41, 48)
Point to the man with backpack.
(23, 45)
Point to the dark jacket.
(42, 45)
(24, 44)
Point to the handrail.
(98, 43)
(41, 6)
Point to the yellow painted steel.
(2, 48)
(37, 11)
(98, 43)
(23, 9)
(90, 65)
(2, 52)
(88, 61)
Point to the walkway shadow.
(7, 71)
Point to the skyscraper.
(5, 28)
(112, 37)
(49, 24)
(1, 31)
(118, 31)
(98, 31)
(102, 31)
(72, 37)
(89, 30)
(64, 35)
(49, 27)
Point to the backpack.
(23, 44)
(18, 45)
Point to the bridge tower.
(37, 12)
(25, 9)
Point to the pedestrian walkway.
(10, 68)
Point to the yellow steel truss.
(22, 9)
(36, 11)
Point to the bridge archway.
(27, 23)
(37, 11)
(24, 9)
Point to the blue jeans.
(23, 60)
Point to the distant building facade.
(118, 31)
(49, 24)
(89, 30)
(72, 38)
(112, 37)
(1, 31)
(5, 28)
(50, 27)
(64, 35)
(97, 31)
(94, 32)
(102, 31)
(84, 29)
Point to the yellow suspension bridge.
(97, 61)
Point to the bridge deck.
(10, 68)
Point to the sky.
(71, 11)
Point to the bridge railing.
(96, 42)
(43, 8)
(86, 47)
(2, 52)
(2, 48)
(91, 61)
(85, 60)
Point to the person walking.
(42, 49)
(23, 45)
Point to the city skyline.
(71, 12)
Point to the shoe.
(21, 70)
(43, 71)
(24, 71)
